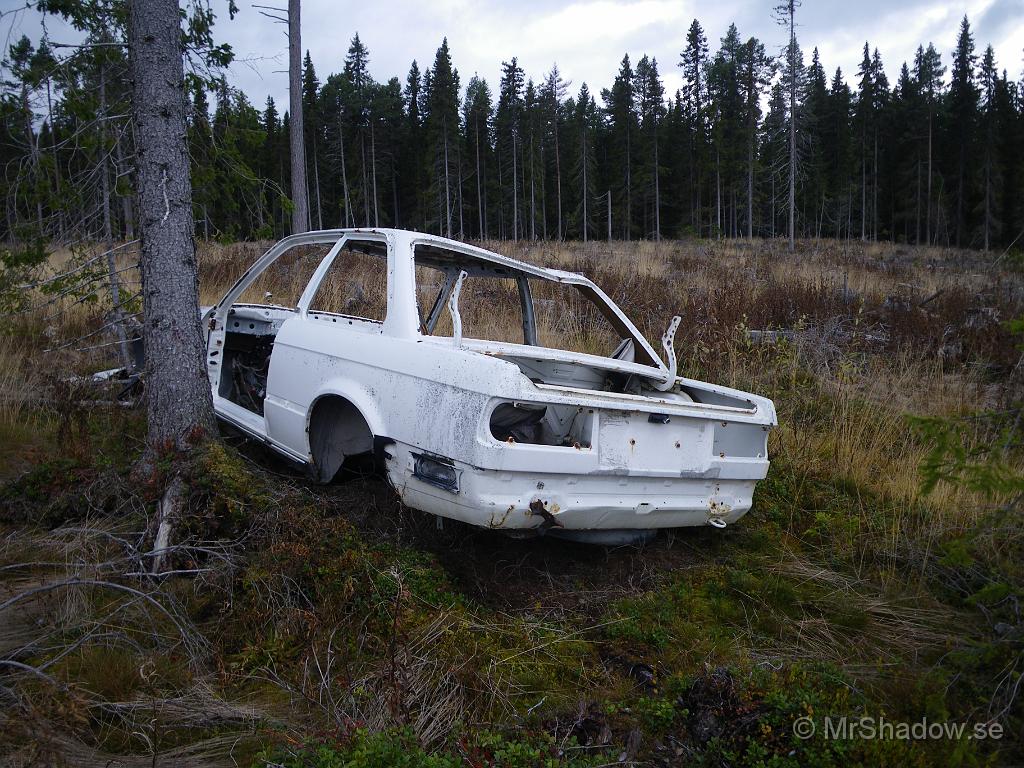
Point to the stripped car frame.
(519, 437)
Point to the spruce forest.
(935, 157)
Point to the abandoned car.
(489, 390)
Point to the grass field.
(329, 626)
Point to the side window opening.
(356, 283)
(281, 284)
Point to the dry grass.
(18, 382)
(874, 353)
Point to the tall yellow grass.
(861, 400)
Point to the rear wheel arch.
(337, 429)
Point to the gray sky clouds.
(587, 38)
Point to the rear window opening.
(503, 304)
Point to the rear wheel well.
(337, 430)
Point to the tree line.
(937, 157)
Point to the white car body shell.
(688, 456)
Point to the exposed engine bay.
(246, 365)
(248, 344)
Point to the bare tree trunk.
(373, 168)
(750, 188)
(394, 192)
(917, 236)
(458, 196)
(515, 191)
(928, 213)
(558, 179)
(501, 198)
(533, 197)
(718, 194)
(316, 183)
(627, 222)
(792, 130)
(447, 189)
(543, 194)
(300, 199)
(609, 194)
(56, 159)
(584, 195)
(179, 401)
(126, 200)
(108, 230)
(479, 185)
(863, 187)
(344, 175)
(988, 190)
(874, 191)
(657, 191)
(366, 187)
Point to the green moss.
(398, 749)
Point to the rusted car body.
(510, 433)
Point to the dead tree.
(179, 402)
(300, 198)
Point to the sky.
(586, 38)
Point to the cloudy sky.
(587, 38)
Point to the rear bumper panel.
(500, 499)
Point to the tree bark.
(179, 401)
(177, 387)
(300, 197)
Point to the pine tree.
(508, 146)
(583, 128)
(649, 93)
(411, 158)
(791, 73)
(815, 108)
(928, 72)
(313, 124)
(441, 131)
(755, 72)
(552, 95)
(775, 153)
(727, 126)
(837, 137)
(620, 109)
(693, 61)
(477, 121)
(989, 80)
(962, 114)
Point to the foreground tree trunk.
(179, 402)
(300, 196)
